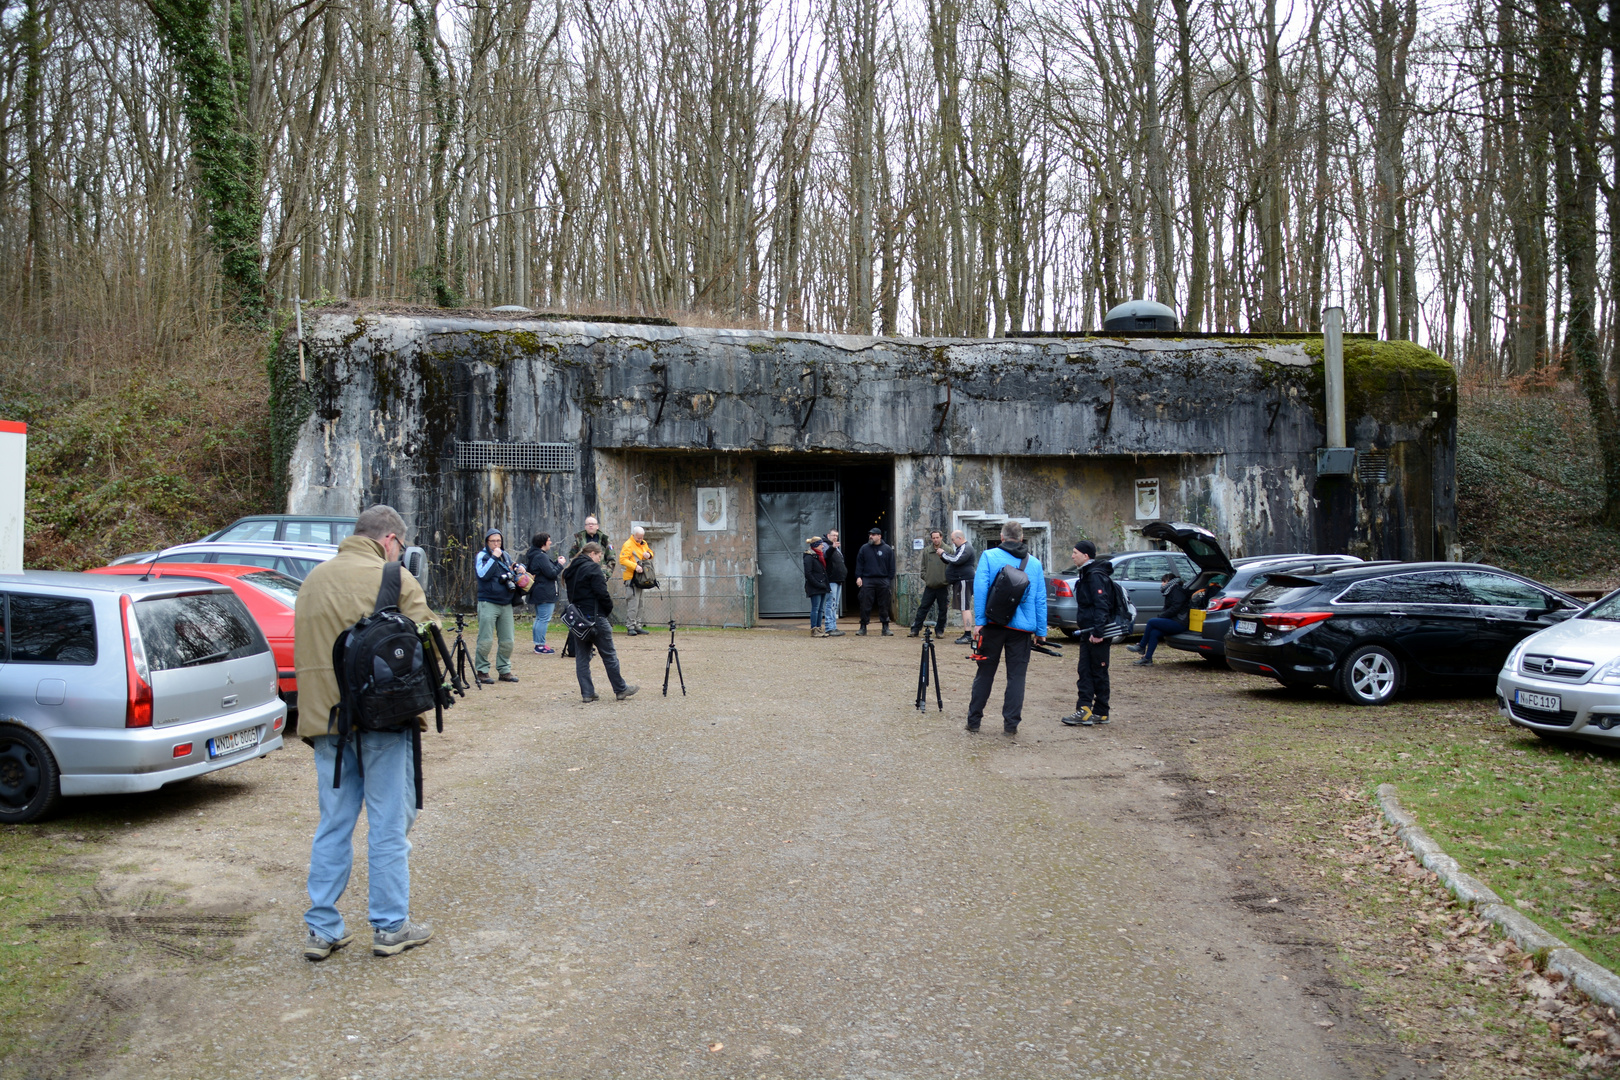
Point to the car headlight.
(1516, 655)
(1609, 673)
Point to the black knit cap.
(1086, 548)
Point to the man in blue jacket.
(497, 588)
(1027, 626)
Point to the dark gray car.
(1247, 574)
(111, 685)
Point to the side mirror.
(415, 560)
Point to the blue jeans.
(1157, 629)
(818, 615)
(542, 619)
(388, 791)
(830, 607)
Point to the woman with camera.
(500, 582)
(543, 593)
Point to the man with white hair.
(633, 556)
(959, 566)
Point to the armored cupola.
(1141, 315)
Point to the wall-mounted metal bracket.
(1336, 461)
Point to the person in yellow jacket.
(632, 555)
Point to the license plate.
(1243, 626)
(221, 745)
(1544, 702)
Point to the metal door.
(785, 520)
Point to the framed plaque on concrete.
(711, 509)
(1147, 499)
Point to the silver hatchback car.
(111, 685)
(1565, 680)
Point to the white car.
(1565, 680)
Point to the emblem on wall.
(711, 509)
(1147, 499)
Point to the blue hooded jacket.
(1031, 614)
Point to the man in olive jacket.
(336, 595)
(935, 588)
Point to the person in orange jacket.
(632, 557)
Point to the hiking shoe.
(1134, 648)
(1100, 719)
(545, 649)
(833, 633)
(318, 948)
(971, 726)
(1146, 661)
(965, 639)
(508, 677)
(485, 679)
(593, 697)
(628, 691)
(1010, 730)
(887, 632)
(1080, 716)
(861, 632)
(913, 633)
(409, 936)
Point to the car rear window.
(250, 530)
(309, 532)
(201, 628)
(51, 630)
(1283, 592)
(275, 583)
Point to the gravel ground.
(789, 872)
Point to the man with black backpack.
(1009, 604)
(378, 768)
(1095, 596)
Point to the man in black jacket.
(874, 576)
(837, 573)
(588, 591)
(959, 567)
(1094, 596)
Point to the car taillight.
(1221, 603)
(138, 710)
(1293, 620)
(1061, 588)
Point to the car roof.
(254, 547)
(292, 517)
(169, 568)
(86, 582)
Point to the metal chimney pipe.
(1333, 367)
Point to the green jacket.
(933, 569)
(337, 594)
(609, 552)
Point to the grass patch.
(40, 969)
(1535, 820)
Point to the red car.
(268, 594)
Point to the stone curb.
(1595, 981)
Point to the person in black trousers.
(936, 590)
(874, 576)
(1094, 595)
(588, 591)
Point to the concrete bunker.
(732, 446)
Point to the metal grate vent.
(519, 456)
(1372, 466)
(788, 481)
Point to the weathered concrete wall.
(1047, 429)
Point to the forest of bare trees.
(1446, 172)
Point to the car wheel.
(30, 784)
(1370, 676)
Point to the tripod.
(929, 661)
(460, 655)
(674, 657)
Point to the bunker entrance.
(796, 501)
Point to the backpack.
(1123, 614)
(388, 673)
(1006, 593)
